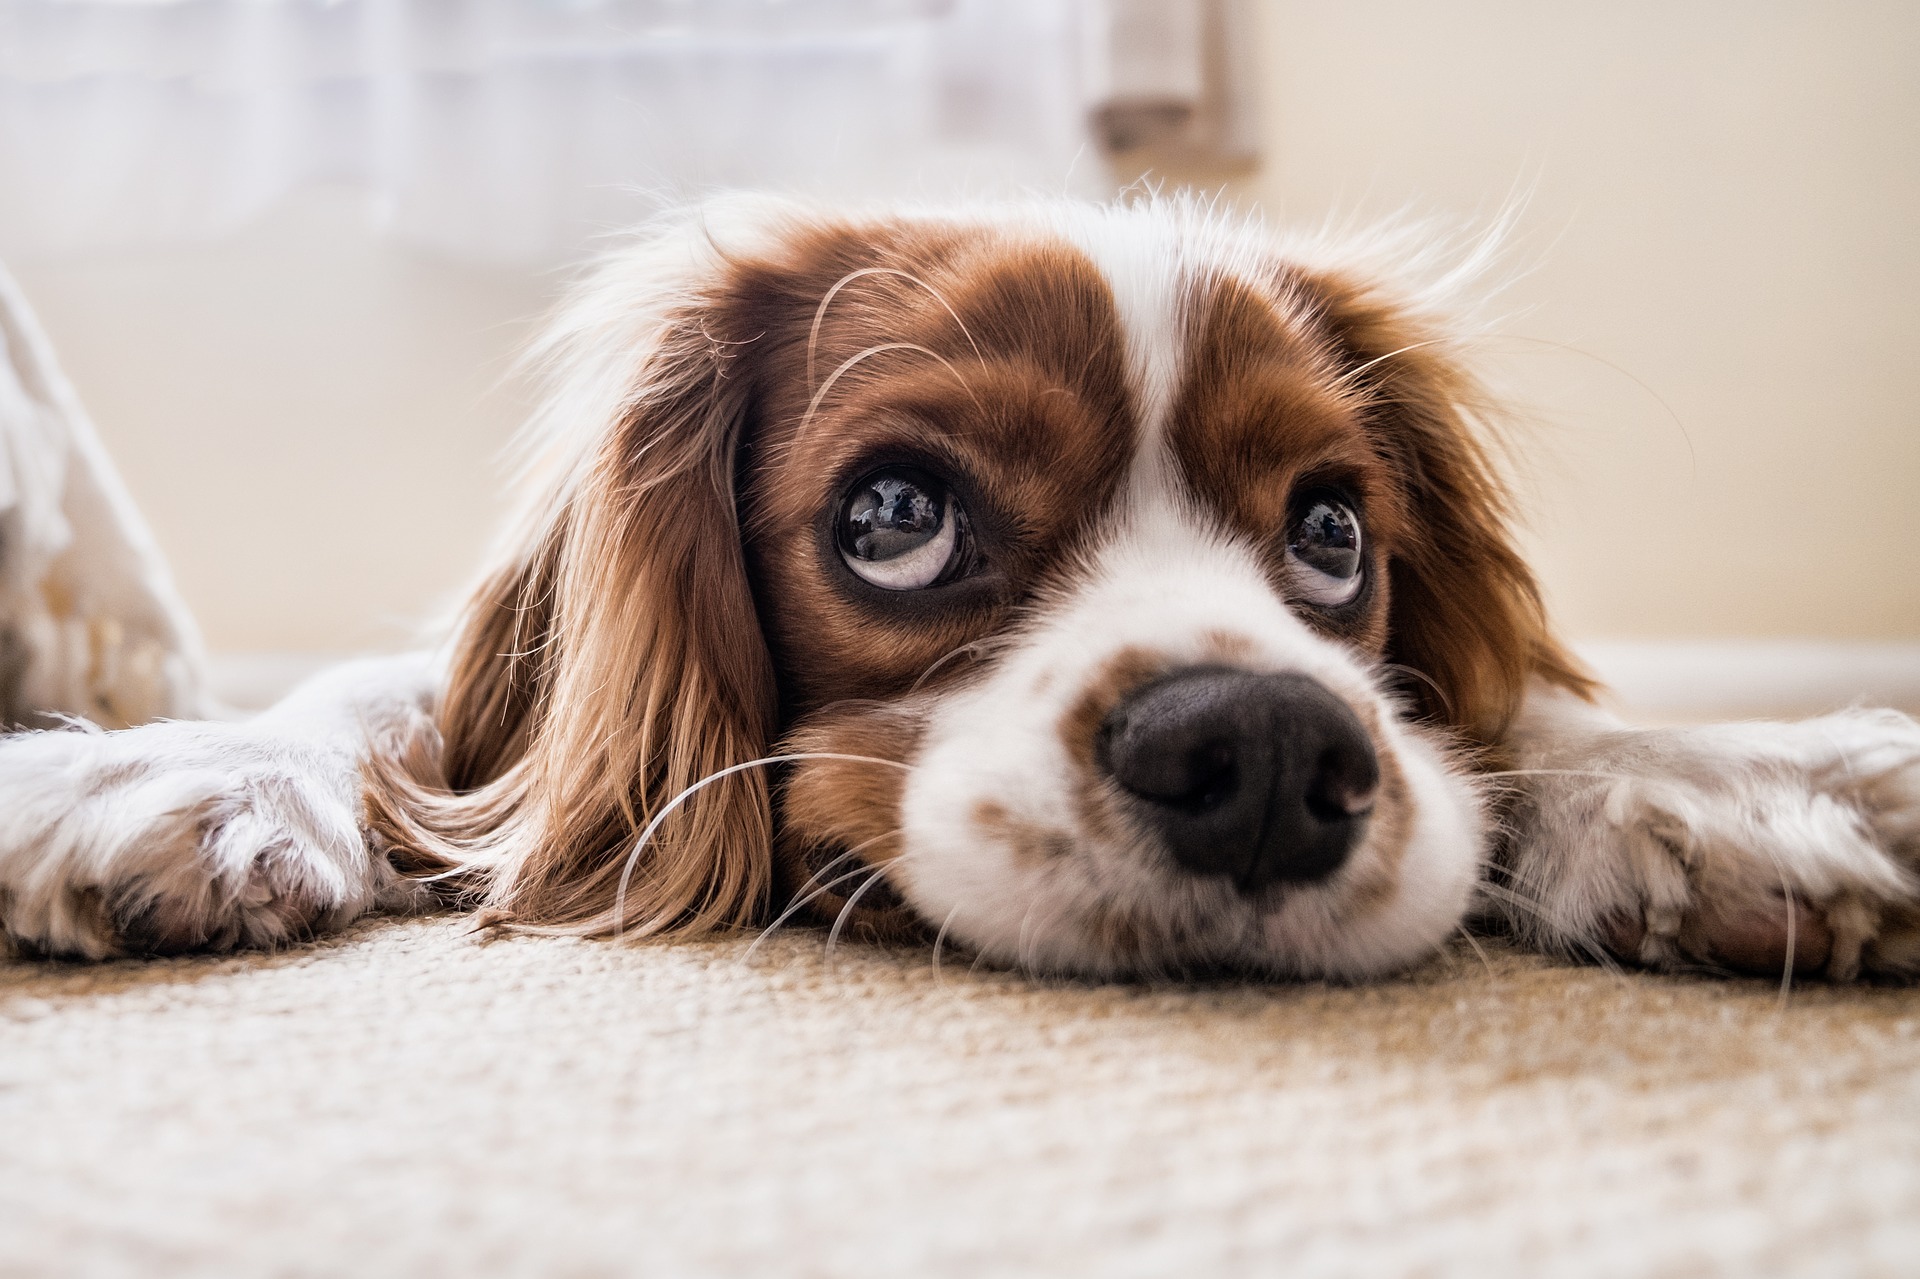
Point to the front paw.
(1737, 846)
(178, 836)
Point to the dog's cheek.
(838, 825)
(1413, 890)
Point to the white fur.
(1662, 826)
(187, 835)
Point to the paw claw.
(1854, 924)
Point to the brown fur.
(1465, 612)
(584, 695)
(643, 633)
(1036, 414)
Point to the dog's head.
(1119, 589)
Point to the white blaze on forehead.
(1145, 266)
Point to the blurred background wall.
(1709, 321)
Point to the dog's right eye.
(902, 530)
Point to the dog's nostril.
(1193, 780)
(1343, 785)
(1260, 778)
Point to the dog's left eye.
(1323, 545)
(902, 530)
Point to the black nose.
(1261, 778)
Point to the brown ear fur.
(615, 659)
(1466, 613)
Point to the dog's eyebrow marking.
(820, 312)
(813, 405)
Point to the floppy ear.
(614, 659)
(1465, 610)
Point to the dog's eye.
(902, 530)
(1324, 548)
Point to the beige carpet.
(406, 1100)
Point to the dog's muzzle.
(1262, 779)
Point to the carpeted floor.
(407, 1100)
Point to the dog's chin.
(1050, 904)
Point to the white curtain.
(516, 129)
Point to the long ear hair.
(1466, 613)
(613, 658)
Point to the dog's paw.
(1734, 846)
(180, 836)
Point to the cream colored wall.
(309, 415)
(1720, 214)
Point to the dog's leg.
(1725, 846)
(187, 836)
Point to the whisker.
(1693, 458)
(1515, 875)
(1355, 372)
(964, 650)
(846, 911)
(802, 898)
(1445, 701)
(1507, 780)
(813, 405)
(938, 940)
(1538, 911)
(797, 902)
(1536, 908)
(820, 312)
(667, 809)
(1472, 941)
(1021, 944)
(1793, 921)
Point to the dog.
(1117, 591)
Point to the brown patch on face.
(1030, 844)
(996, 367)
(1465, 611)
(1261, 416)
(1079, 731)
(1226, 648)
(1125, 671)
(839, 818)
(1306, 380)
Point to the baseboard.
(1745, 679)
(1664, 679)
